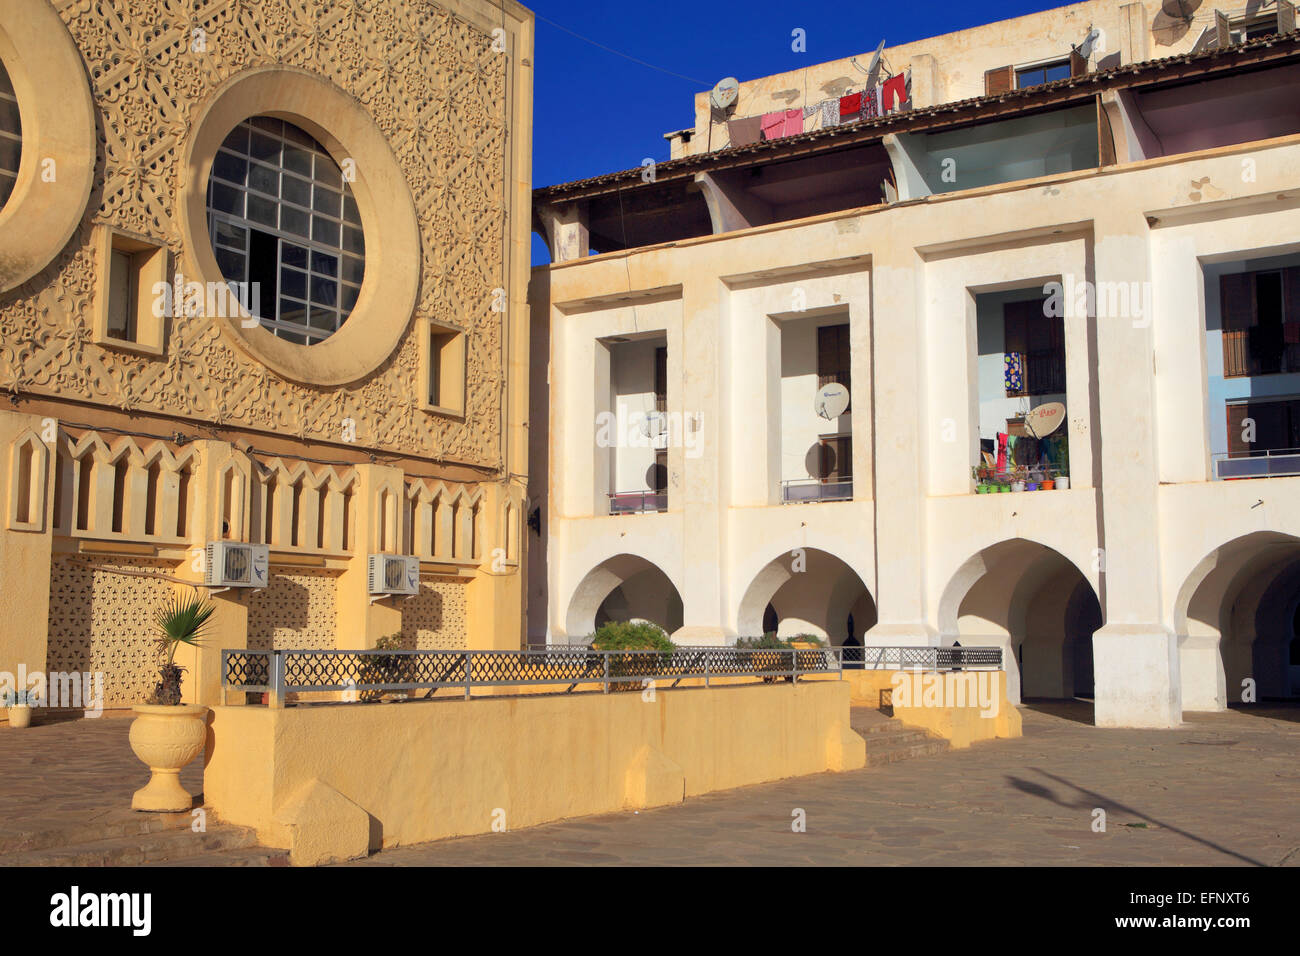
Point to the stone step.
(161, 846)
(243, 856)
(97, 827)
(889, 741)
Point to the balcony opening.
(635, 430)
(1023, 441)
(1253, 364)
(816, 450)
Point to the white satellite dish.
(1084, 49)
(652, 426)
(724, 93)
(1044, 419)
(831, 401)
(873, 71)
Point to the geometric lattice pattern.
(365, 670)
(435, 619)
(435, 88)
(101, 621)
(294, 611)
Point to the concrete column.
(899, 505)
(567, 233)
(496, 595)
(360, 623)
(695, 485)
(228, 627)
(25, 555)
(1135, 656)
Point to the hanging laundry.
(813, 118)
(1002, 453)
(894, 92)
(871, 103)
(793, 122)
(745, 132)
(830, 113)
(773, 125)
(1013, 372)
(850, 106)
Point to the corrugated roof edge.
(671, 165)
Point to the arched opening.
(1237, 619)
(1037, 606)
(625, 587)
(809, 591)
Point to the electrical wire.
(609, 49)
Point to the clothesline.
(894, 94)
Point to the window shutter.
(1285, 16)
(1236, 413)
(1001, 80)
(1222, 30)
(1237, 301)
(661, 379)
(1078, 63)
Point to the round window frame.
(58, 121)
(389, 289)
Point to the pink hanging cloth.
(773, 125)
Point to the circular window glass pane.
(284, 228)
(11, 137)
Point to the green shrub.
(631, 636)
(770, 642)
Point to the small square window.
(133, 293)
(444, 369)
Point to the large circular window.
(11, 137)
(285, 229)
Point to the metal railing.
(1267, 463)
(637, 502)
(801, 490)
(277, 673)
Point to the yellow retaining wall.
(426, 770)
(961, 726)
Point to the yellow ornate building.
(262, 280)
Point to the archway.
(1236, 617)
(1036, 605)
(623, 588)
(808, 591)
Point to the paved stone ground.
(72, 774)
(1219, 791)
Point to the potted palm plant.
(166, 734)
(19, 704)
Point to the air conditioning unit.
(394, 574)
(231, 564)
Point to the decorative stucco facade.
(400, 433)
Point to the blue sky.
(628, 107)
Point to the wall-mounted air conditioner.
(231, 564)
(394, 574)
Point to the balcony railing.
(1268, 463)
(803, 490)
(637, 502)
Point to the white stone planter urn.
(166, 738)
(1063, 483)
(20, 716)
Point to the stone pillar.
(1135, 655)
(359, 623)
(695, 484)
(567, 233)
(228, 627)
(899, 505)
(25, 545)
(495, 597)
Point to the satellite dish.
(831, 401)
(724, 94)
(1173, 21)
(652, 426)
(1044, 419)
(873, 71)
(1084, 49)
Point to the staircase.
(127, 838)
(888, 741)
